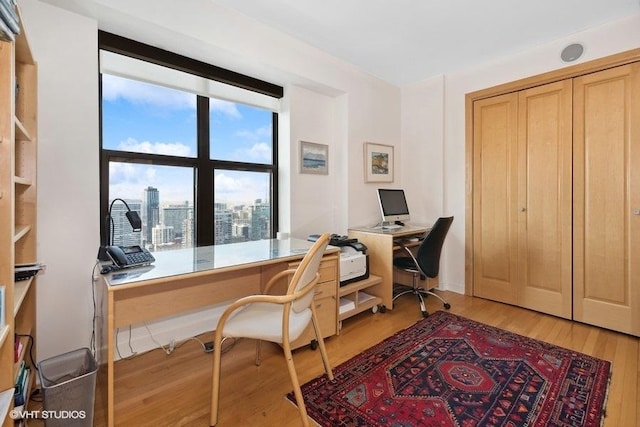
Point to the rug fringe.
(604, 400)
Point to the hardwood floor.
(159, 390)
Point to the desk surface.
(396, 232)
(219, 257)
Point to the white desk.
(189, 279)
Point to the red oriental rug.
(446, 370)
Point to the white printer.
(354, 261)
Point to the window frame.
(202, 164)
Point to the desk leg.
(110, 364)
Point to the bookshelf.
(18, 158)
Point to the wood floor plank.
(154, 389)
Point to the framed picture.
(314, 158)
(378, 162)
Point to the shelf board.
(21, 231)
(22, 134)
(19, 292)
(360, 307)
(6, 398)
(360, 284)
(22, 181)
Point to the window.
(191, 147)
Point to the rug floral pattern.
(446, 370)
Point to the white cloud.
(260, 153)
(166, 148)
(128, 181)
(256, 134)
(244, 187)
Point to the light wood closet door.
(522, 198)
(544, 198)
(607, 199)
(495, 162)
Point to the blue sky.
(147, 118)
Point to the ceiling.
(403, 41)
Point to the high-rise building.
(163, 236)
(260, 219)
(222, 223)
(176, 216)
(150, 213)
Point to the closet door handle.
(636, 211)
(523, 209)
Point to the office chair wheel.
(313, 344)
(447, 306)
(425, 314)
(383, 308)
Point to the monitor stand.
(388, 225)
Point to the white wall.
(327, 101)
(422, 154)
(601, 41)
(68, 199)
(315, 209)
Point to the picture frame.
(378, 162)
(314, 158)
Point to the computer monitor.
(393, 205)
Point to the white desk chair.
(276, 318)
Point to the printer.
(354, 261)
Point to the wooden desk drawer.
(328, 270)
(326, 289)
(326, 310)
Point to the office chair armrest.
(277, 277)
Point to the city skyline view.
(158, 121)
(153, 119)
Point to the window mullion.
(204, 178)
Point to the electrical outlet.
(208, 347)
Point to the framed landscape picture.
(314, 158)
(378, 162)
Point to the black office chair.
(426, 263)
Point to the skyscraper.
(150, 213)
(176, 215)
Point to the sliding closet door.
(607, 199)
(495, 160)
(544, 198)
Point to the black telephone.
(129, 256)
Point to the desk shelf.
(355, 294)
(382, 247)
